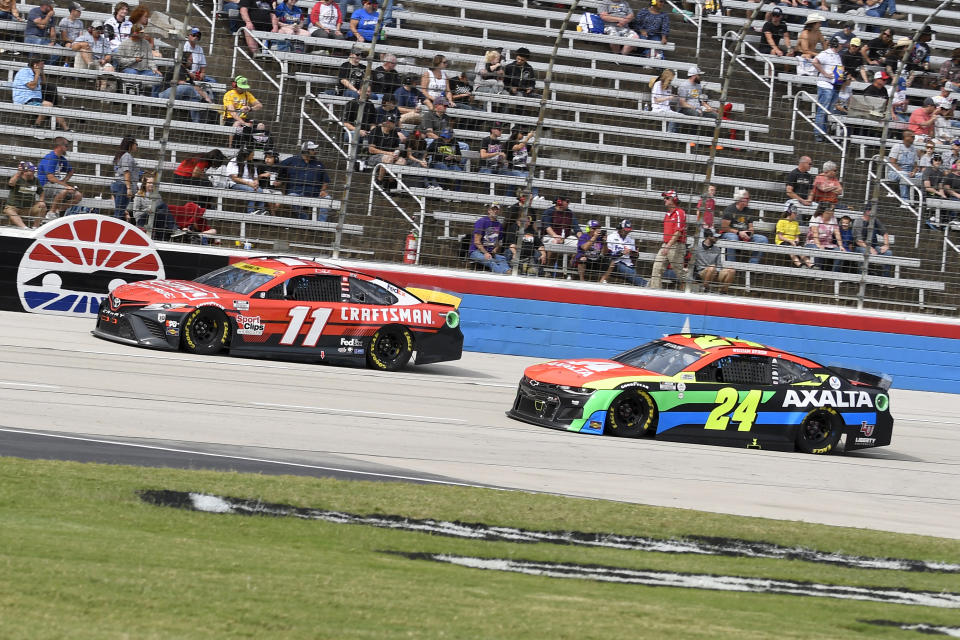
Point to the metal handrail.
(327, 108)
(841, 146)
(918, 212)
(735, 57)
(422, 202)
(697, 23)
(946, 242)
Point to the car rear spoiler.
(439, 297)
(882, 381)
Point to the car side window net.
(363, 292)
(314, 289)
(752, 370)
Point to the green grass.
(82, 557)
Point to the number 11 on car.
(298, 315)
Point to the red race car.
(289, 307)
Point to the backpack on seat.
(590, 23)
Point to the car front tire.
(632, 414)
(206, 331)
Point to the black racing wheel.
(820, 431)
(632, 414)
(205, 331)
(390, 349)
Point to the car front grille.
(155, 328)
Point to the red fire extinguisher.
(410, 249)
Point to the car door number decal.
(745, 413)
(298, 315)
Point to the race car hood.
(168, 291)
(580, 373)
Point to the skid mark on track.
(479, 531)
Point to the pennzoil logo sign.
(76, 261)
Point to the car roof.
(714, 344)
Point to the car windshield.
(235, 279)
(660, 357)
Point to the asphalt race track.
(68, 395)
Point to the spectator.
(417, 156)
(118, 26)
(823, 233)
(800, 182)
(826, 186)
(941, 127)
(621, 249)
(934, 178)
(9, 11)
(617, 16)
(445, 155)
(70, 29)
(243, 174)
(25, 199)
(918, 60)
(875, 241)
(326, 18)
(788, 233)
(952, 155)
(845, 35)
(185, 89)
(363, 22)
(304, 176)
(690, 95)
(269, 175)
(388, 107)
(188, 218)
(674, 247)
(737, 224)
(591, 246)
(238, 102)
(100, 53)
(493, 156)
(950, 69)
(661, 96)
(524, 244)
(28, 86)
(126, 175)
(434, 82)
(385, 79)
(923, 119)
(707, 263)
(54, 173)
(257, 15)
(900, 101)
(519, 78)
(147, 199)
(952, 187)
(518, 155)
(775, 30)
(904, 165)
(830, 66)
(193, 172)
(135, 55)
(368, 119)
(383, 143)
(350, 76)
(485, 245)
(39, 28)
(652, 24)
(290, 21)
(877, 88)
(846, 235)
(462, 91)
(409, 100)
(878, 48)
(808, 40)
(707, 206)
(198, 66)
(559, 224)
(853, 59)
(435, 121)
(490, 73)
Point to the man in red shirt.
(674, 241)
(923, 118)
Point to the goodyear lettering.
(249, 326)
(827, 398)
(387, 314)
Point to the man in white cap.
(621, 247)
(99, 48)
(690, 95)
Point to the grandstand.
(601, 144)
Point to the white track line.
(348, 412)
(27, 384)
(244, 458)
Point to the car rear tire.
(205, 331)
(390, 349)
(632, 414)
(820, 431)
